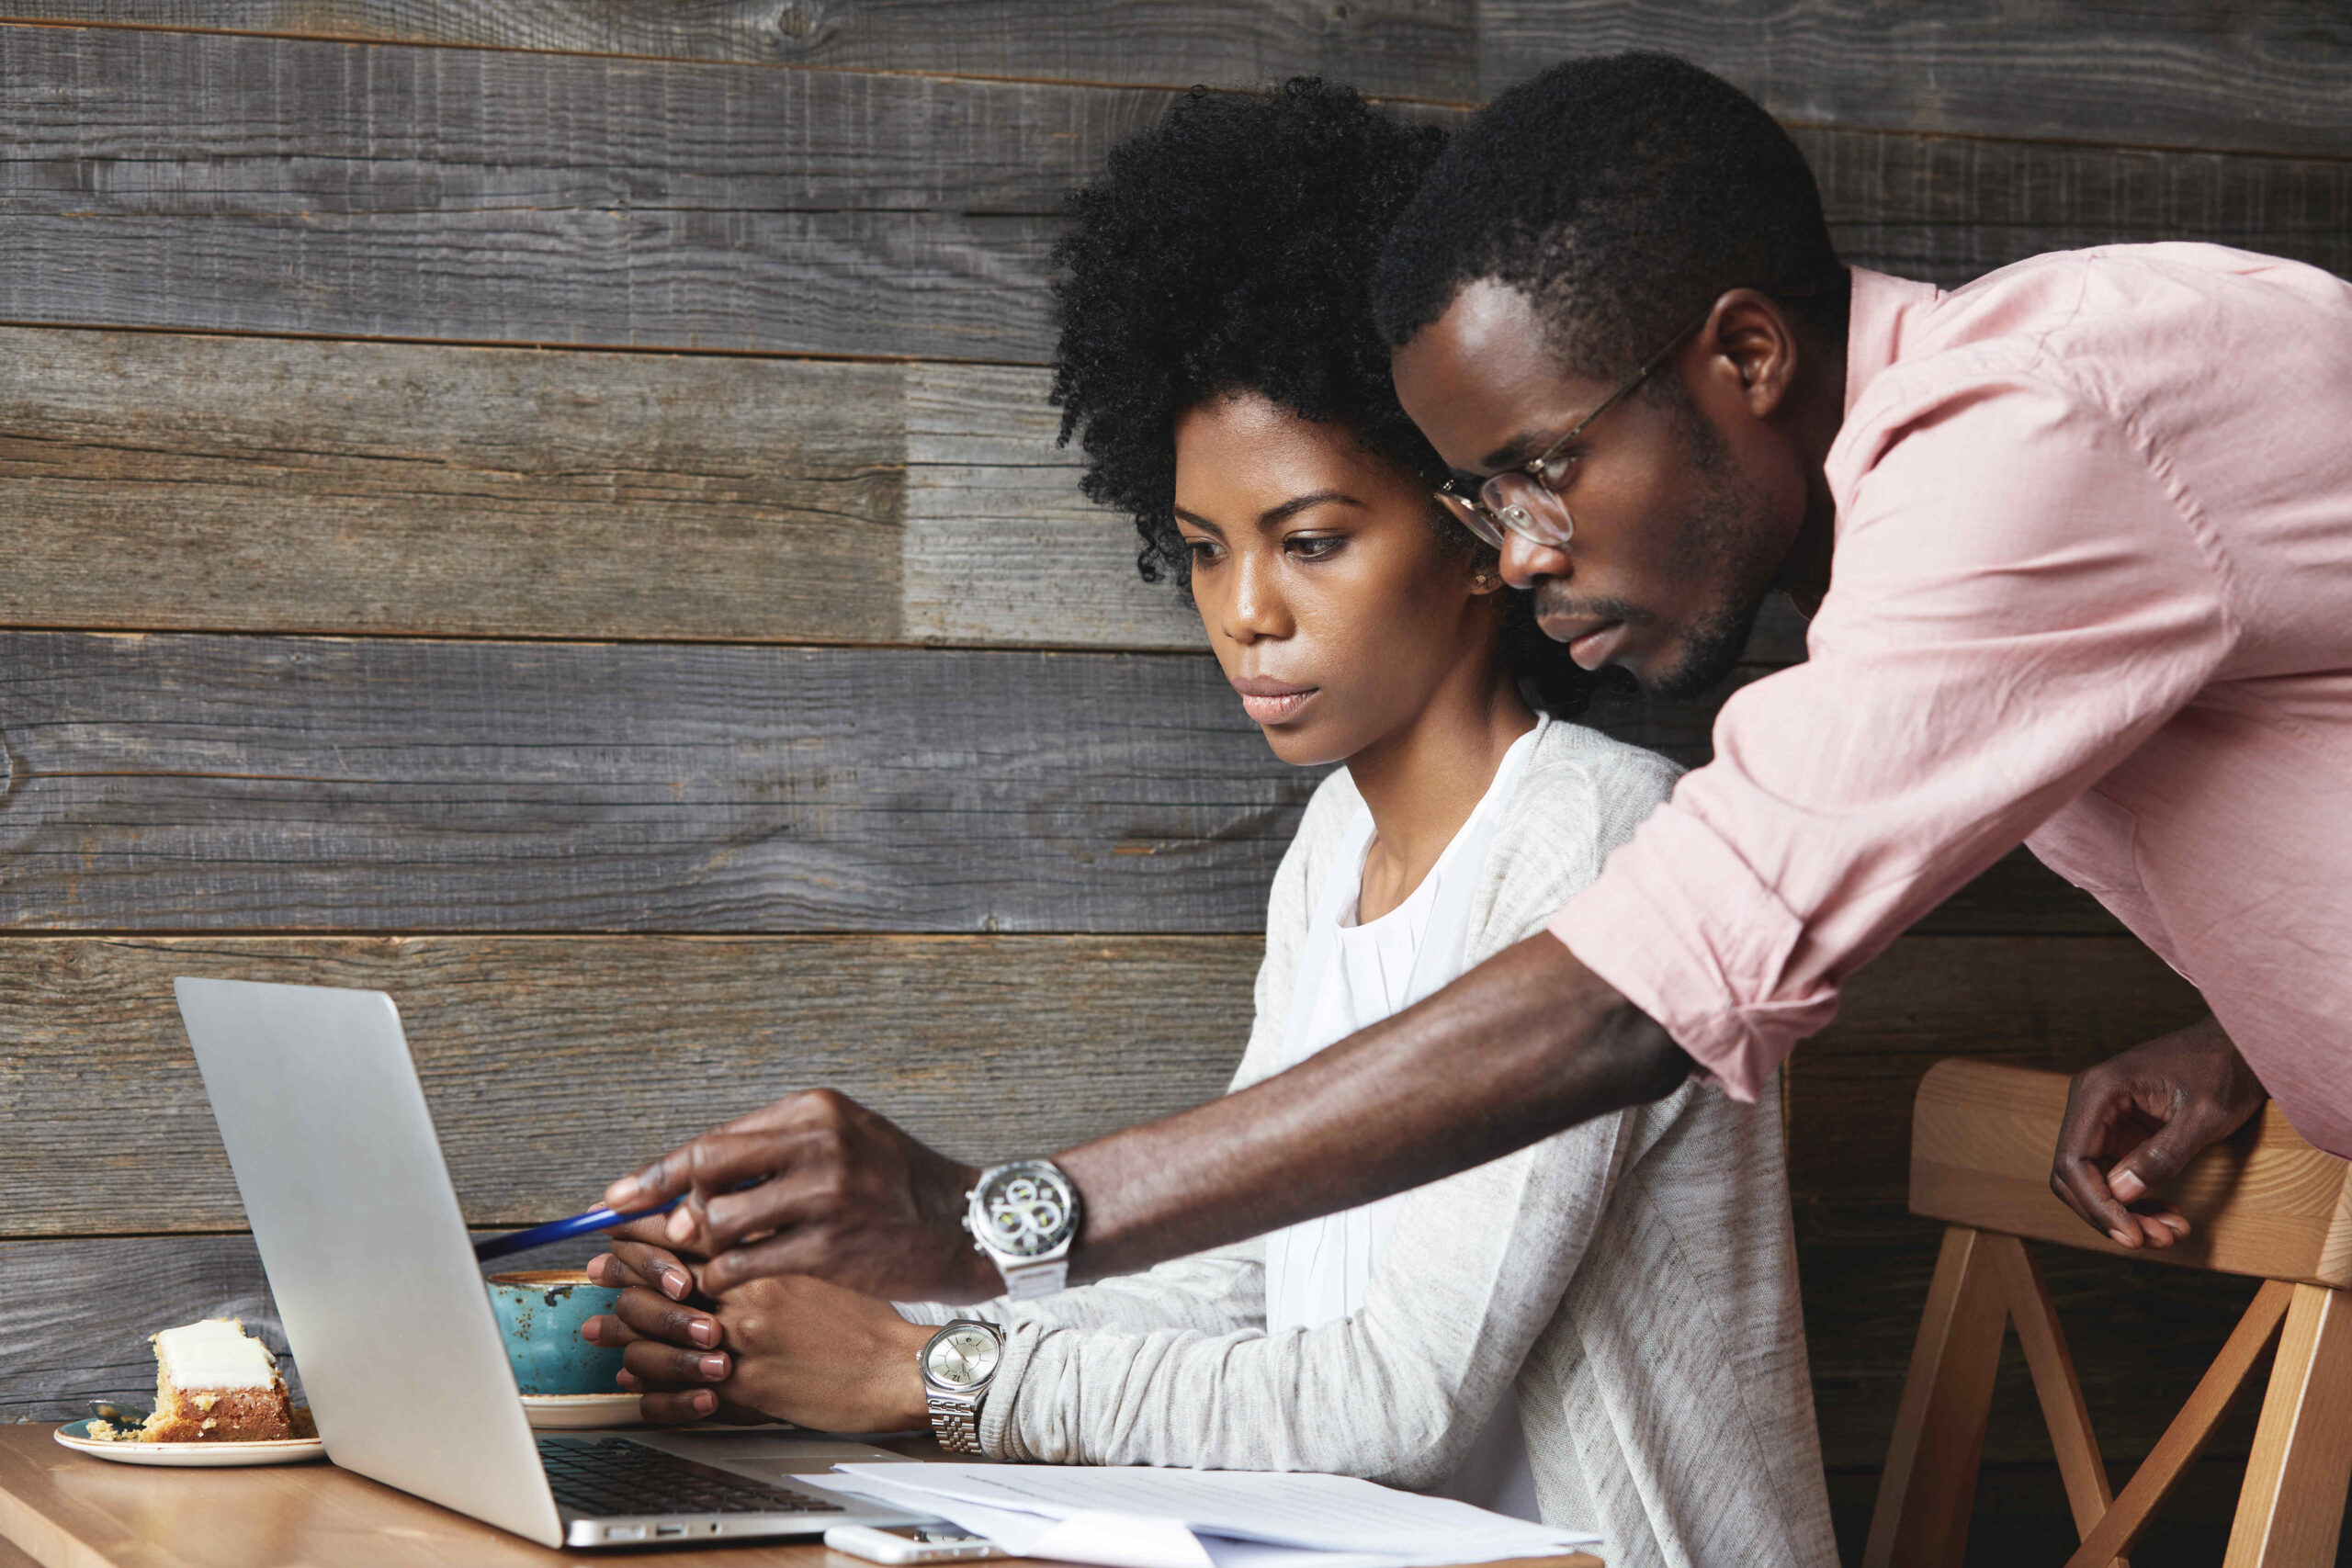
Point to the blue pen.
(596, 1219)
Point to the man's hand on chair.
(2135, 1119)
(815, 1184)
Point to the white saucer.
(566, 1412)
(76, 1435)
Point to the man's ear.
(1751, 339)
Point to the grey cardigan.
(1635, 1277)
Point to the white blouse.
(1351, 975)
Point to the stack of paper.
(1142, 1517)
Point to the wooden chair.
(2265, 1203)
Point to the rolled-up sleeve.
(2021, 594)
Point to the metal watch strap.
(1024, 1281)
(956, 1421)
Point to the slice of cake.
(214, 1382)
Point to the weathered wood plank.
(207, 783)
(1950, 208)
(272, 185)
(407, 488)
(552, 1063)
(269, 185)
(2042, 1001)
(1422, 49)
(2273, 78)
(2141, 1335)
(192, 781)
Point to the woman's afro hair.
(1228, 248)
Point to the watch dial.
(1028, 1209)
(964, 1358)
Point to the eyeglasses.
(1525, 500)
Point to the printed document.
(1142, 1516)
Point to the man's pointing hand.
(818, 1184)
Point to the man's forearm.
(1527, 1044)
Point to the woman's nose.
(1525, 562)
(1256, 609)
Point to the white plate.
(76, 1435)
(567, 1412)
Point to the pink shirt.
(2093, 591)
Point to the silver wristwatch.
(958, 1364)
(1024, 1216)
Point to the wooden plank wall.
(548, 507)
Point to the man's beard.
(1715, 537)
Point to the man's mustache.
(1555, 603)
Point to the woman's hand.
(2134, 1119)
(790, 1350)
(641, 1255)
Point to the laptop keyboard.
(605, 1476)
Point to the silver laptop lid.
(365, 1250)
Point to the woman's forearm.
(1524, 1045)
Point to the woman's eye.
(1314, 547)
(1202, 551)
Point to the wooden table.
(61, 1509)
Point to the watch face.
(1026, 1209)
(964, 1358)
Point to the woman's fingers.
(642, 1264)
(652, 1361)
(653, 1317)
(641, 1314)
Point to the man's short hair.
(1622, 194)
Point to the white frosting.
(216, 1353)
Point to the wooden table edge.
(42, 1535)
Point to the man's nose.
(1524, 561)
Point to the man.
(2078, 544)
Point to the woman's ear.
(1485, 573)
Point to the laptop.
(386, 1311)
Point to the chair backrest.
(2263, 1202)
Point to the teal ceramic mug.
(541, 1312)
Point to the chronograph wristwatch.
(958, 1364)
(1024, 1216)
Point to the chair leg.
(2292, 1506)
(1924, 1498)
(2089, 1492)
(2120, 1528)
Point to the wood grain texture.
(2140, 1337)
(552, 1065)
(2272, 78)
(2263, 1202)
(1422, 48)
(2025, 1000)
(1950, 208)
(209, 782)
(2292, 1512)
(161, 481)
(2043, 1339)
(272, 185)
(1926, 1494)
(244, 183)
(71, 1511)
(2187, 1437)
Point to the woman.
(1602, 1329)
